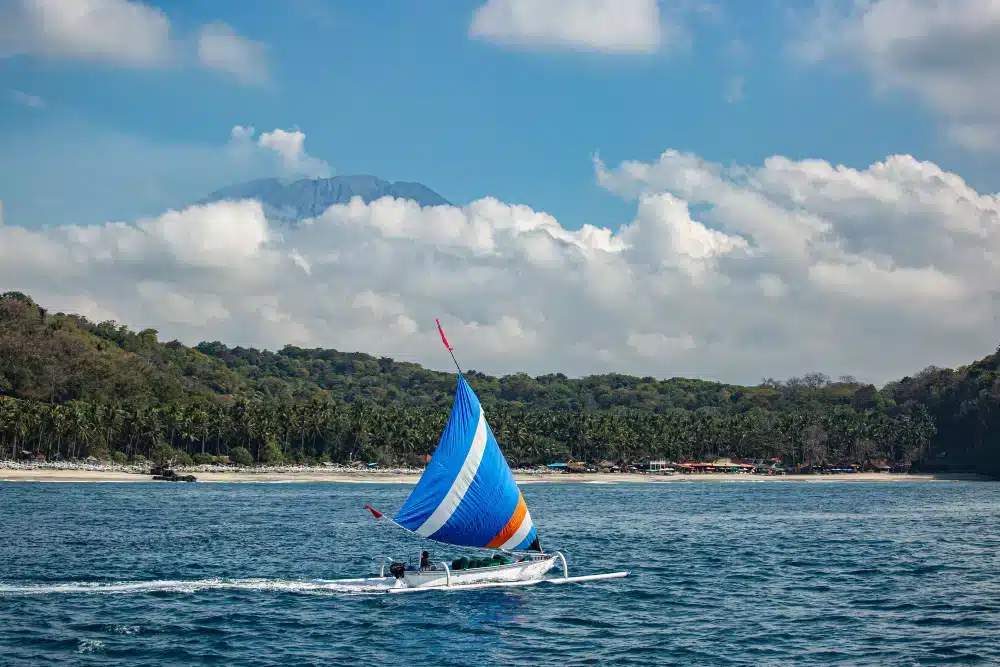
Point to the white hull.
(507, 584)
(393, 585)
(529, 570)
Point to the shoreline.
(366, 477)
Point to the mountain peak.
(294, 200)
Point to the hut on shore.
(568, 466)
(607, 466)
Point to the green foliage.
(241, 456)
(59, 358)
(72, 387)
(182, 458)
(162, 454)
(270, 453)
(202, 459)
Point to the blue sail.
(467, 495)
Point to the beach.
(69, 473)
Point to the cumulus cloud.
(287, 145)
(119, 32)
(220, 48)
(123, 33)
(946, 53)
(25, 99)
(609, 26)
(732, 273)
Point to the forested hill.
(294, 372)
(313, 403)
(59, 358)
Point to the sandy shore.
(50, 475)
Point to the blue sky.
(783, 187)
(400, 90)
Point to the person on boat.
(425, 561)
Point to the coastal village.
(643, 467)
(772, 466)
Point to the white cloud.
(25, 99)
(946, 53)
(196, 311)
(664, 235)
(658, 346)
(241, 133)
(119, 32)
(287, 145)
(123, 33)
(609, 26)
(771, 285)
(300, 261)
(734, 89)
(211, 235)
(975, 136)
(733, 273)
(220, 48)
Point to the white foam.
(313, 586)
(90, 646)
(328, 586)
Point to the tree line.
(272, 432)
(70, 386)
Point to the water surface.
(723, 573)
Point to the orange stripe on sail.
(512, 526)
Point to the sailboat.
(467, 497)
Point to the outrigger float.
(467, 497)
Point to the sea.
(740, 573)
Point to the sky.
(731, 191)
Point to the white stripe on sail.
(521, 533)
(461, 484)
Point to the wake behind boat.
(467, 497)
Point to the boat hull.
(528, 570)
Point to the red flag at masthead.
(443, 338)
